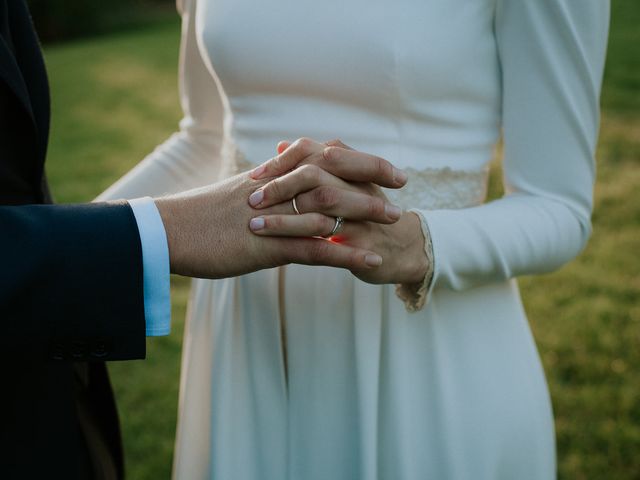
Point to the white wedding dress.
(368, 390)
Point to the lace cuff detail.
(415, 295)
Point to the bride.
(312, 373)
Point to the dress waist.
(441, 188)
(426, 189)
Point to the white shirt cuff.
(155, 266)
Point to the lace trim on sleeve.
(415, 295)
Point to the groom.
(84, 284)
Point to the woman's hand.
(359, 168)
(316, 175)
(370, 221)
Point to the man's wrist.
(167, 208)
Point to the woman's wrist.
(411, 257)
(414, 294)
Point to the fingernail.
(373, 260)
(256, 172)
(392, 211)
(256, 198)
(282, 146)
(399, 176)
(256, 223)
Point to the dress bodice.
(417, 84)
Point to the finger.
(306, 225)
(285, 208)
(302, 179)
(348, 204)
(317, 251)
(288, 159)
(337, 143)
(282, 146)
(361, 167)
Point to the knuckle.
(375, 207)
(318, 223)
(331, 153)
(310, 173)
(331, 156)
(353, 259)
(337, 142)
(303, 144)
(318, 251)
(325, 197)
(383, 167)
(273, 189)
(275, 222)
(276, 162)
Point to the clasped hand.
(333, 180)
(209, 229)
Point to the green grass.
(115, 98)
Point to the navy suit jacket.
(71, 292)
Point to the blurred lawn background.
(115, 98)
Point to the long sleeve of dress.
(551, 55)
(190, 157)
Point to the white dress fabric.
(368, 390)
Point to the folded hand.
(333, 180)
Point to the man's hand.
(209, 237)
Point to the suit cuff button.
(79, 350)
(57, 351)
(99, 349)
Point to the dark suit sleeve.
(71, 283)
